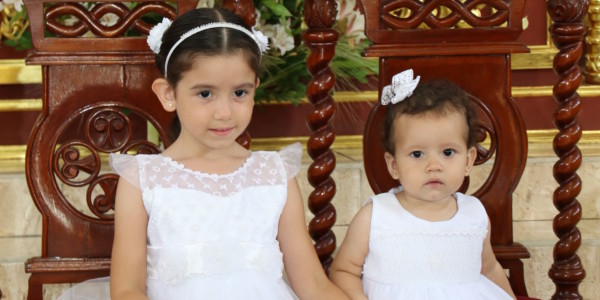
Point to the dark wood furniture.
(96, 100)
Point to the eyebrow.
(247, 85)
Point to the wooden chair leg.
(515, 276)
(35, 291)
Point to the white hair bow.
(401, 88)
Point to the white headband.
(401, 88)
(155, 36)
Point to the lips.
(221, 131)
(434, 182)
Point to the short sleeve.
(291, 156)
(125, 166)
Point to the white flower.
(18, 4)
(355, 21)
(154, 39)
(280, 39)
(401, 88)
(109, 19)
(346, 7)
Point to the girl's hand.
(305, 273)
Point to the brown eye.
(416, 154)
(449, 152)
(204, 94)
(240, 93)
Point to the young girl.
(208, 219)
(423, 239)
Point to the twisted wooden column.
(321, 39)
(567, 32)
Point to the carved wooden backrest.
(469, 43)
(96, 100)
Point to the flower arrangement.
(14, 24)
(283, 72)
(284, 76)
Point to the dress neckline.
(182, 167)
(455, 195)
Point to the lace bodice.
(260, 168)
(205, 225)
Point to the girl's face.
(215, 99)
(431, 158)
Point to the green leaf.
(277, 8)
(22, 43)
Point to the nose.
(223, 109)
(434, 164)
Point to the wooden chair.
(439, 40)
(474, 51)
(96, 100)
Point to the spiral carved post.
(321, 39)
(567, 32)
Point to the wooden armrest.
(66, 264)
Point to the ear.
(390, 161)
(471, 156)
(165, 93)
(257, 82)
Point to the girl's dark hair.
(440, 97)
(210, 42)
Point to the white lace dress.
(210, 236)
(411, 258)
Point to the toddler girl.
(423, 239)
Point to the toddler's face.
(431, 158)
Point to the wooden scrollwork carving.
(567, 32)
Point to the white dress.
(210, 236)
(411, 258)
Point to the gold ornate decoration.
(20, 105)
(592, 57)
(540, 57)
(13, 23)
(14, 71)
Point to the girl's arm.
(491, 268)
(346, 270)
(128, 263)
(306, 276)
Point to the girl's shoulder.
(471, 208)
(385, 199)
(128, 166)
(468, 202)
(290, 157)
